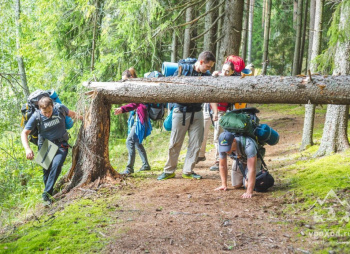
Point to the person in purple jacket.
(139, 127)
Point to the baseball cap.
(225, 141)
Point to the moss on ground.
(80, 227)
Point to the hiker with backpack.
(245, 150)
(50, 122)
(187, 117)
(139, 127)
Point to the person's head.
(129, 73)
(46, 106)
(228, 69)
(205, 62)
(227, 142)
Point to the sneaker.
(165, 176)
(215, 167)
(127, 172)
(201, 159)
(193, 175)
(144, 168)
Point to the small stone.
(302, 233)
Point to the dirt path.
(187, 216)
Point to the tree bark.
(316, 41)
(209, 36)
(250, 31)
(245, 29)
(297, 39)
(232, 29)
(21, 67)
(187, 34)
(92, 64)
(311, 32)
(267, 36)
(307, 139)
(90, 163)
(259, 89)
(174, 48)
(219, 34)
(303, 38)
(335, 137)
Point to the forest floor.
(187, 216)
(143, 215)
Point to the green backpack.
(240, 121)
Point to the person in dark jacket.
(51, 122)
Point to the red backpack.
(237, 62)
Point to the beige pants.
(178, 133)
(217, 131)
(207, 124)
(236, 174)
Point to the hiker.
(139, 127)
(233, 146)
(50, 121)
(209, 120)
(129, 73)
(232, 67)
(187, 117)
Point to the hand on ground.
(221, 188)
(247, 195)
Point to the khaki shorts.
(236, 174)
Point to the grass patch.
(319, 192)
(79, 227)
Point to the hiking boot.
(46, 200)
(165, 176)
(201, 159)
(127, 172)
(193, 175)
(144, 168)
(215, 167)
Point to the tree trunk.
(316, 41)
(311, 32)
(307, 139)
(90, 156)
(250, 31)
(259, 89)
(297, 39)
(267, 36)
(174, 48)
(90, 163)
(245, 30)
(335, 137)
(209, 36)
(219, 35)
(303, 37)
(92, 65)
(21, 67)
(232, 29)
(187, 34)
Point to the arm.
(214, 107)
(74, 115)
(223, 174)
(126, 108)
(251, 165)
(25, 143)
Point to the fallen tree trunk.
(90, 154)
(260, 89)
